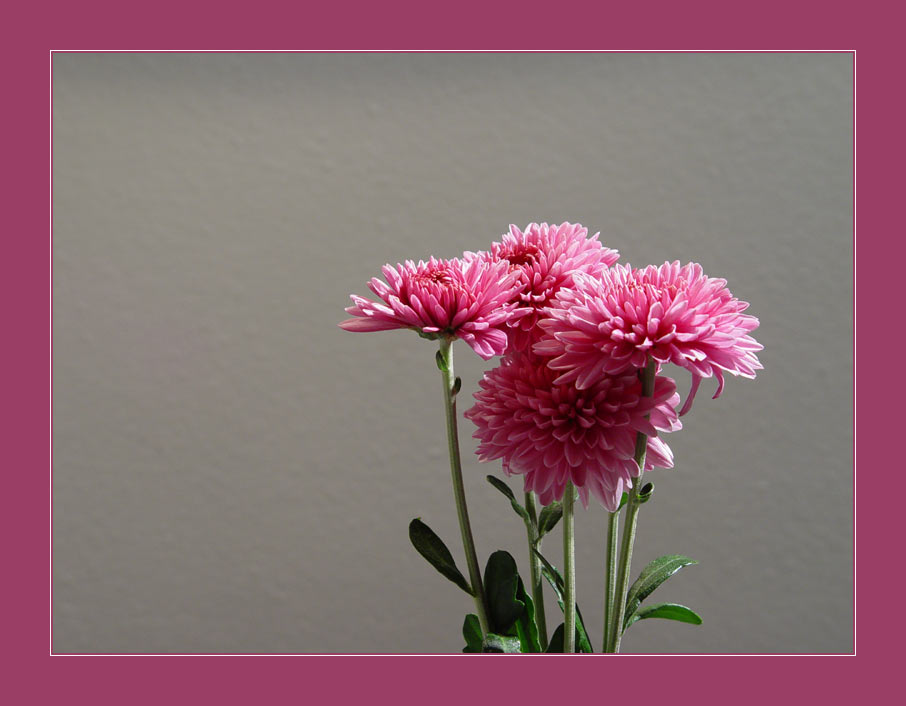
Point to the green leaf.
(623, 501)
(553, 576)
(441, 362)
(526, 628)
(511, 612)
(505, 489)
(555, 579)
(651, 577)
(471, 632)
(457, 386)
(501, 486)
(556, 642)
(549, 518)
(430, 546)
(501, 585)
(667, 611)
(501, 643)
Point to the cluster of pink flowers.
(575, 330)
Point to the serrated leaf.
(432, 547)
(651, 577)
(555, 579)
(505, 489)
(667, 611)
(471, 632)
(501, 585)
(500, 643)
(549, 518)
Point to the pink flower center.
(438, 277)
(440, 283)
(526, 255)
(655, 292)
(649, 291)
(572, 411)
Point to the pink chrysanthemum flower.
(453, 298)
(545, 259)
(553, 433)
(611, 324)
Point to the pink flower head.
(452, 298)
(545, 259)
(611, 324)
(554, 433)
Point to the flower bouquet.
(578, 405)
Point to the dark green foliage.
(430, 546)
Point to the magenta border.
(36, 676)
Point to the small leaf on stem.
(549, 518)
(505, 489)
(471, 632)
(432, 547)
(651, 577)
(667, 611)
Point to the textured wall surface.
(232, 472)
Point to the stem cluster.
(534, 544)
(617, 568)
(615, 600)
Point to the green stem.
(613, 531)
(534, 542)
(632, 514)
(459, 492)
(569, 570)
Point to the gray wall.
(232, 472)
